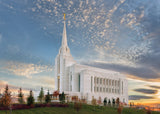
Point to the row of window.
(107, 90)
(104, 81)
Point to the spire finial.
(64, 16)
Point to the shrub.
(99, 100)
(94, 102)
(62, 97)
(117, 101)
(148, 111)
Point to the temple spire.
(64, 37)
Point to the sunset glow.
(118, 35)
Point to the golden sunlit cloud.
(25, 69)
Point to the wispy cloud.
(146, 91)
(139, 97)
(142, 72)
(26, 70)
(156, 87)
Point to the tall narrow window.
(100, 80)
(91, 83)
(71, 82)
(58, 82)
(94, 80)
(97, 80)
(97, 89)
(79, 78)
(122, 87)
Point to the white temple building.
(87, 82)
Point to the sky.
(119, 35)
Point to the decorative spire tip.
(64, 16)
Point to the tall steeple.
(64, 37)
(64, 50)
(62, 61)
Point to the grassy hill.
(86, 109)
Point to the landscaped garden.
(83, 109)
(46, 106)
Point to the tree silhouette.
(105, 101)
(48, 98)
(20, 96)
(62, 97)
(6, 98)
(41, 96)
(30, 99)
(113, 102)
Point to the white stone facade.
(87, 82)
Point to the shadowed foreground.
(86, 109)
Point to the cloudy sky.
(120, 35)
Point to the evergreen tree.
(6, 98)
(105, 101)
(30, 99)
(20, 97)
(48, 98)
(41, 96)
(62, 97)
(113, 102)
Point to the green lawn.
(86, 109)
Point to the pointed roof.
(64, 50)
(64, 37)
